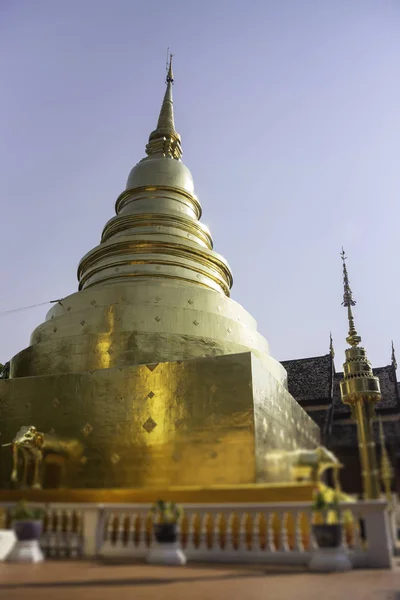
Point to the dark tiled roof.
(339, 408)
(309, 379)
(387, 379)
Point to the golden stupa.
(150, 367)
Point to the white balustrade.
(243, 533)
(62, 535)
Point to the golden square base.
(201, 422)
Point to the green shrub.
(166, 512)
(21, 512)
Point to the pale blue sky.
(289, 113)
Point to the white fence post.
(90, 530)
(379, 543)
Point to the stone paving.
(94, 581)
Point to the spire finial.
(394, 361)
(331, 348)
(353, 338)
(170, 74)
(165, 139)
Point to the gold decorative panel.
(195, 422)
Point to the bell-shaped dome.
(160, 170)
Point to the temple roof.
(309, 379)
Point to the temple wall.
(163, 424)
(281, 426)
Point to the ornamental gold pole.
(364, 412)
(360, 389)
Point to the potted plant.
(165, 521)
(27, 522)
(328, 527)
(27, 526)
(167, 550)
(330, 554)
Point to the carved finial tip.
(170, 74)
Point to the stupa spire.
(165, 139)
(353, 339)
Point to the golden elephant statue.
(303, 465)
(39, 448)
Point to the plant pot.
(328, 536)
(166, 533)
(27, 531)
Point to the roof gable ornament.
(331, 348)
(394, 361)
